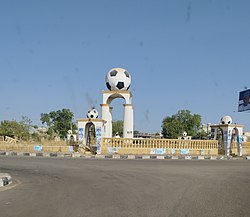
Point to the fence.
(7, 139)
(159, 146)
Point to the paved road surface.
(107, 188)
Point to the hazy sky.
(181, 54)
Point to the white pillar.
(107, 116)
(110, 123)
(227, 141)
(239, 140)
(81, 133)
(98, 133)
(128, 122)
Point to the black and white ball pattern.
(118, 79)
(226, 120)
(92, 114)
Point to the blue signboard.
(152, 151)
(160, 151)
(38, 148)
(184, 151)
(98, 134)
(71, 149)
(80, 134)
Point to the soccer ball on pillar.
(92, 113)
(226, 120)
(184, 134)
(118, 79)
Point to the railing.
(244, 145)
(159, 143)
(7, 139)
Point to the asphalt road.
(106, 188)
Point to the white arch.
(128, 122)
(227, 132)
(109, 96)
(83, 129)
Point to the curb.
(5, 179)
(117, 156)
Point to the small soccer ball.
(92, 113)
(226, 120)
(184, 134)
(70, 132)
(118, 79)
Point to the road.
(105, 188)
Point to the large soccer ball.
(226, 120)
(118, 79)
(92, 113)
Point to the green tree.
(58, 122)
(117, 127)
(174, 126)
(14, 129)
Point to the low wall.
(245, 148)
(34, 148)
(137, 147)
(159, 146)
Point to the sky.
(181, 54)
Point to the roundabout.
(66, 187)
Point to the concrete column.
(81, 133)
(107, 116)
(128, 121)
(98, 134)
(215, 133)
(227, 141)
(110, 123)
(239, 141)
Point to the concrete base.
(116, 156)
(131, 156)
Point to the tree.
(14, 129)
(174, 126)
(117, 127)
(58, 122)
